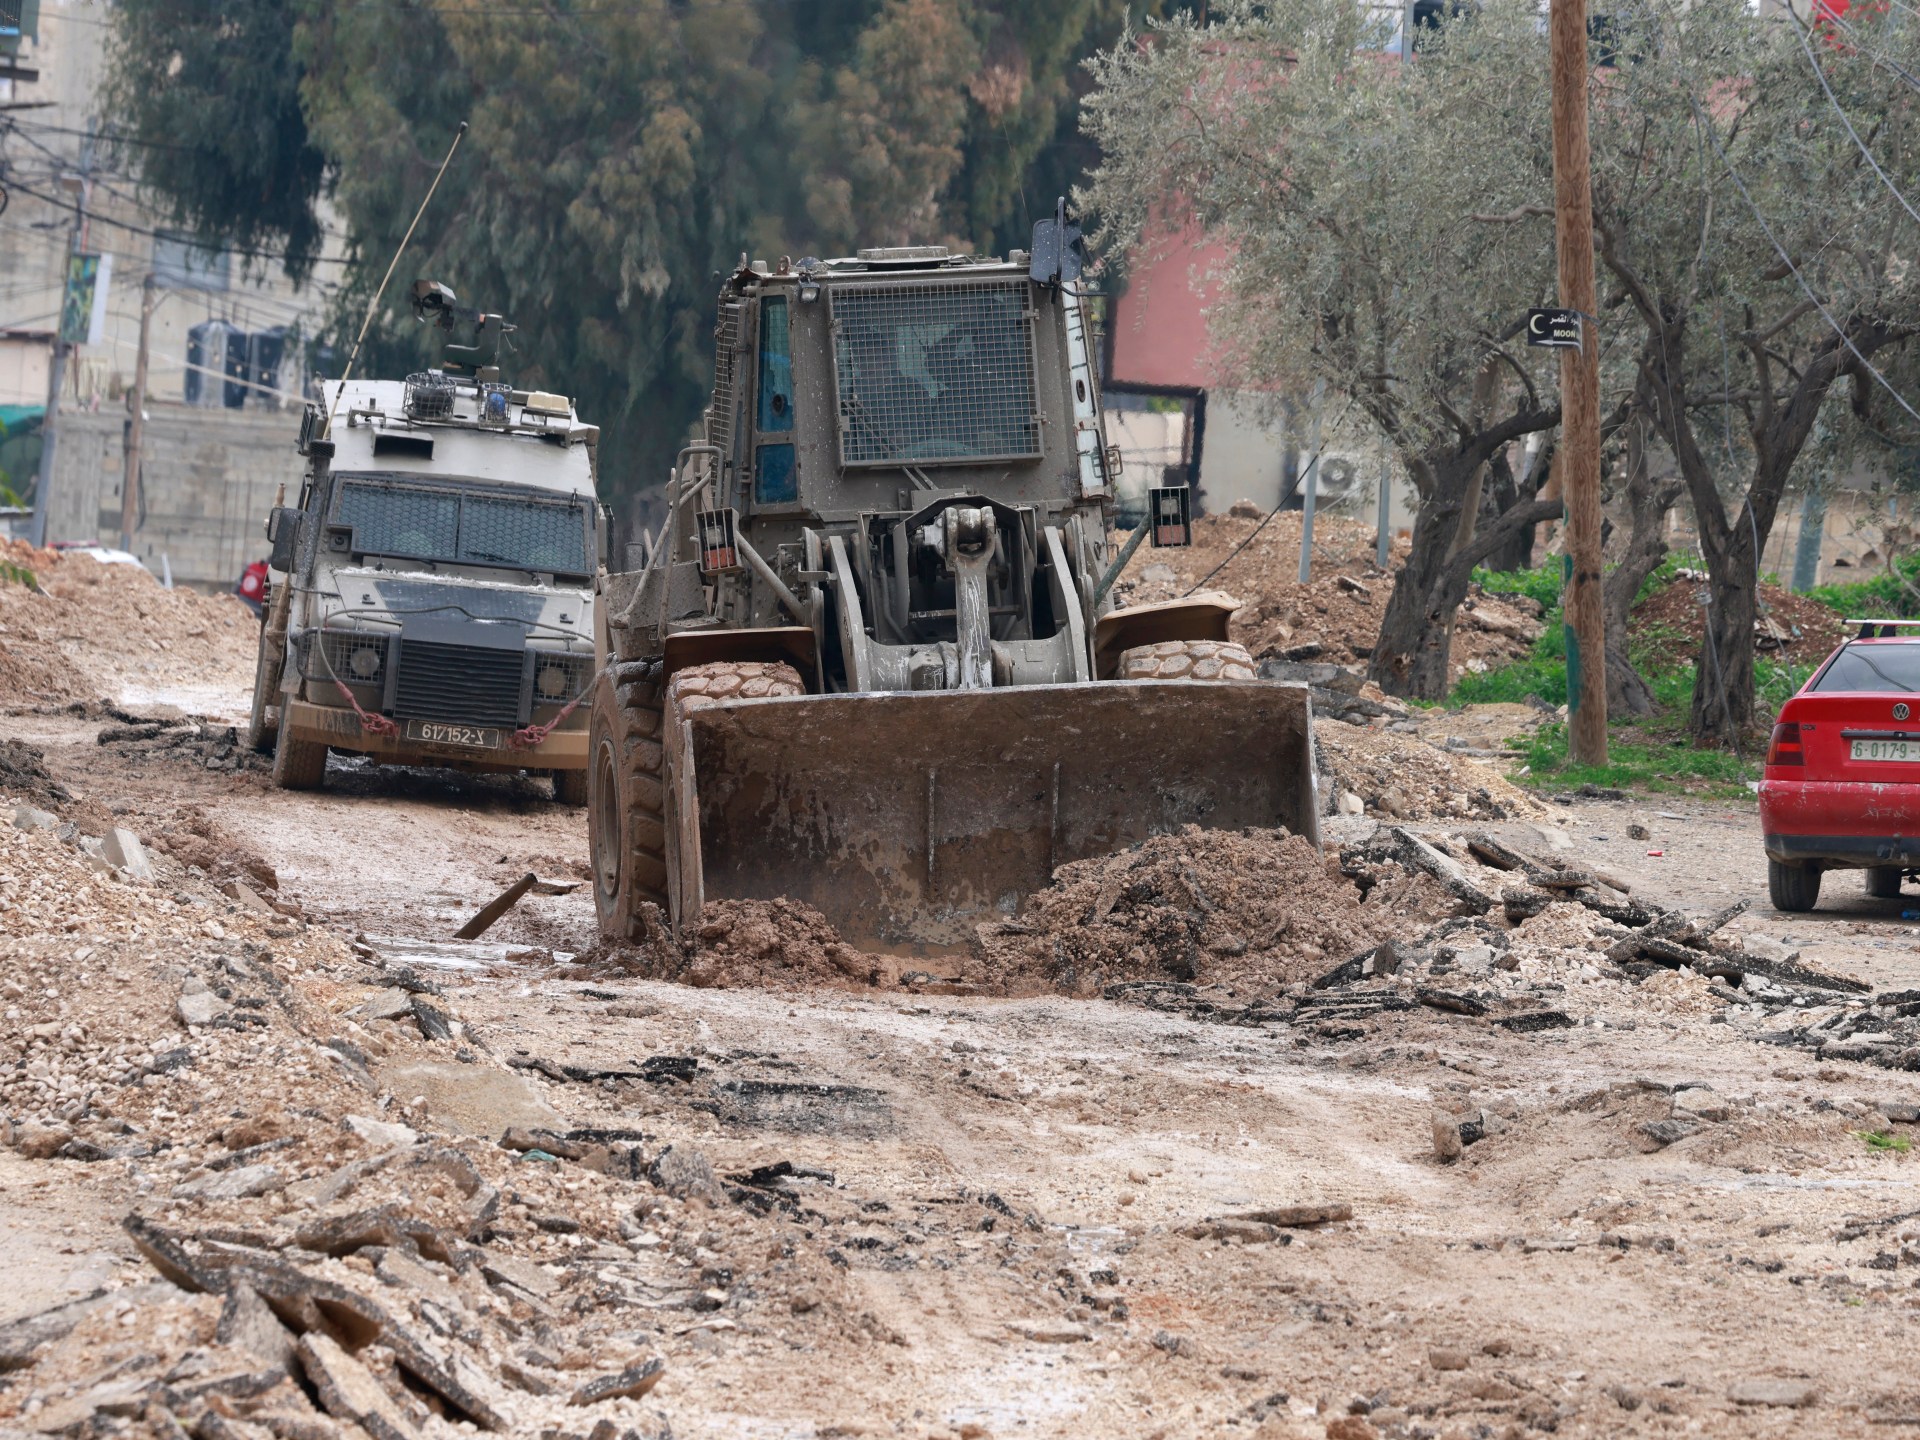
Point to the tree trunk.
(1648, 502)
(1723, 676)
(1416, 634)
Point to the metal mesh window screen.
(388, 520)
(726, 337)
(932, 374)
(516, 532)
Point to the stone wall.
(210, 477)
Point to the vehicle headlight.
(551, 681)
(364, 662)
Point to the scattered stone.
(522, 1274)
(1447, 1357)
(26, 817)
(1173, 1344)
(630, 1384)
(1052, 1333)
(122, 849)
(1447, 1143)
(473, 1099)
(1297, 1216)
(248, 1324)
(239, 1183)
(383, 1134)
(198, 1005)
(683, 1171)
(1787, 1394)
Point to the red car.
(1842, 785)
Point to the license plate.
(433, 732)
(1897, 750)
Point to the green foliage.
(1883, 596)
(619, 155)
(1885, 1141)
(19, 575)
(1542, 585)
(1640, 764)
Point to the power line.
(1800, 33)
(1733, 173)
(159, 235)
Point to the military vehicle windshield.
(462, 525)
(935, 373)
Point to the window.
(934, 373)
(774, 480)
(1874, 669)
(182, 263)
(457, 526)
(776, 367)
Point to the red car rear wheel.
(1793, 888)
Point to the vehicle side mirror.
(284, 526)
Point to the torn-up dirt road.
(1440, 1132)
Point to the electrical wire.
(1299, 475)
(1800, 34)
(96, 216)
(1839, 331)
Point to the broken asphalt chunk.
(630, 1384)
(349, 1391)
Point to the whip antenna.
(392, 265)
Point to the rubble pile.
(86, 630)
(1249, 910)
(342, 1231)
(1671, 623)
(1332, 620)
(1533, 946)
(182, 739)
(1404, 778)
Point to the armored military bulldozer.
(870, 660)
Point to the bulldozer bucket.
(907, 819)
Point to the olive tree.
(1339, 182)
(1386, 226)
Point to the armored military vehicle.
(433, 588)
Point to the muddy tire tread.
(1203, 661)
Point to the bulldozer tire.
(299, 764)
(1202, 660)
(699, 685)
(266, 678)
(626, 836)
(570, 787)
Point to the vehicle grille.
(459, 683)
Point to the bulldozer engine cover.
(909, 818)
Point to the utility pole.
(57, 366)
(56, 382)
(1313, 482)
(1579, 456)
(137, 418)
